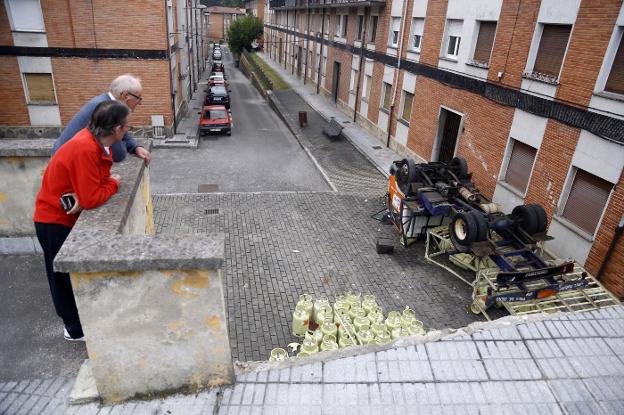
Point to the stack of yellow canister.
(350, 321)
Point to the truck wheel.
(460, 166)
(542, 219)
(463, 230)
(406, 174)
(482, 226)
(526, 218)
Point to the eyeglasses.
(138, 98)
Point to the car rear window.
(216, 114)
(218, 90)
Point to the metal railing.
(258, 70)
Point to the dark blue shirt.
(82, 119)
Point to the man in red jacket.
(80, 168)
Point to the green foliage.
(234, 3)
(243, 31)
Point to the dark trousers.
(51, 237)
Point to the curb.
(25, 245)
(275, 103)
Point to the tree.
(243, 31)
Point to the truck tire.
(542, 219)
(460, 167)
(482, 226)
(525, 217)
(406, 174)
(464, 230)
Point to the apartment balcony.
(320, 4)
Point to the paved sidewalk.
(563, 364)
(365, 142)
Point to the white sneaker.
(70, 338)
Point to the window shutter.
(520, 165)
(552, 49)
(40, 87)
(485, 41)
(587, 200)
(615, 83)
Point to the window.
(40, 88)
(344, 25)
(372, 30)
(485, 42)
(587, 200)
(25, 15)
(520, 165)
(324, 69)
(366, 87)
(615, 82)
(394, 32)
(551, 49)
(327, 25)
(387, 96)
(453, 38)
(338, 25)
(406, 111)
(360, 27)
(417, 32)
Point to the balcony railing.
(319, 4)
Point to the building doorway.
(449, 127)
(336, 81)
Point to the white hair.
(124, 83)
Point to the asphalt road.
(260, 155)
(31, 335)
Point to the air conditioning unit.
(158, 126)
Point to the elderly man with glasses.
(126, 89)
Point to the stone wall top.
(26, 148)
(101, 252)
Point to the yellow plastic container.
(321, 303)
(393, 321)
(358, 322)
(366, 337)
(309, 346)
(301, 321)
(329, 328)
(382, 338)
(278, 354)
(306, 301)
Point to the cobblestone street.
(281, 245)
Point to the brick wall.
(589, 40)
(485, 129)
(433, 32)
(105, 24)
(514, 34)
(14, 109)
(215, 26)
(78, 80)
(6, 38)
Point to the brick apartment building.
(219, 21)
(56, 55)
(530, 92)
(256, 8)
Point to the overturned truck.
(438, 203)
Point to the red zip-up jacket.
(80, 166)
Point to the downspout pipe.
(357, 89)
(305, 75)
(616, 238)
(395, 78)
(320, 59)
(171, 94)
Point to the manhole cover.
(212, 211)
(207, 188)
(377, 147)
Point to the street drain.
(376, 147)
(212, 211)
(207, 188)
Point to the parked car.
(215, 119)
(216, 54)
(217, 95)
(216, 75)
(218, 67)
(218, 81)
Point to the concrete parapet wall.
(151, 306)
(22, 163)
